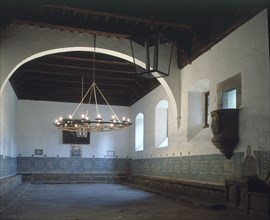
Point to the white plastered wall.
(8, 135)
(245, 51)
(35, 130)
(147, 107)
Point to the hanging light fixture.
(158, 55)
(158, 51)
(83, 124)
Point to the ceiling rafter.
(70, 68)
(70, 29)
(109, 77)
(37, 80)
(76, 59)
(120, 17)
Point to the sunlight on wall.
(161, 124)
(139, 131)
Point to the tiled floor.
(104, 201)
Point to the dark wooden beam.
(60, 57)
(36, 79)
(98, 74)
(209, 40)
(69, 96)
(73, 67)
(70, 29)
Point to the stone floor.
(101, 202)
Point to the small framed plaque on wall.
(75, 150)
(38, 151)
(111, 153)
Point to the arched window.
(161, 124)
(139, 130)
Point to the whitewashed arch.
(21, 44)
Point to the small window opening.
(229, 99)
(207, 109)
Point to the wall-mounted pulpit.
(224, 127)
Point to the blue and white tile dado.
(213, 169)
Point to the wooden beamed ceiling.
(193, 26)
(59, 77)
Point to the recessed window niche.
(198, 107)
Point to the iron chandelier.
(84, 124)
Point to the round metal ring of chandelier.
(84, 125)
